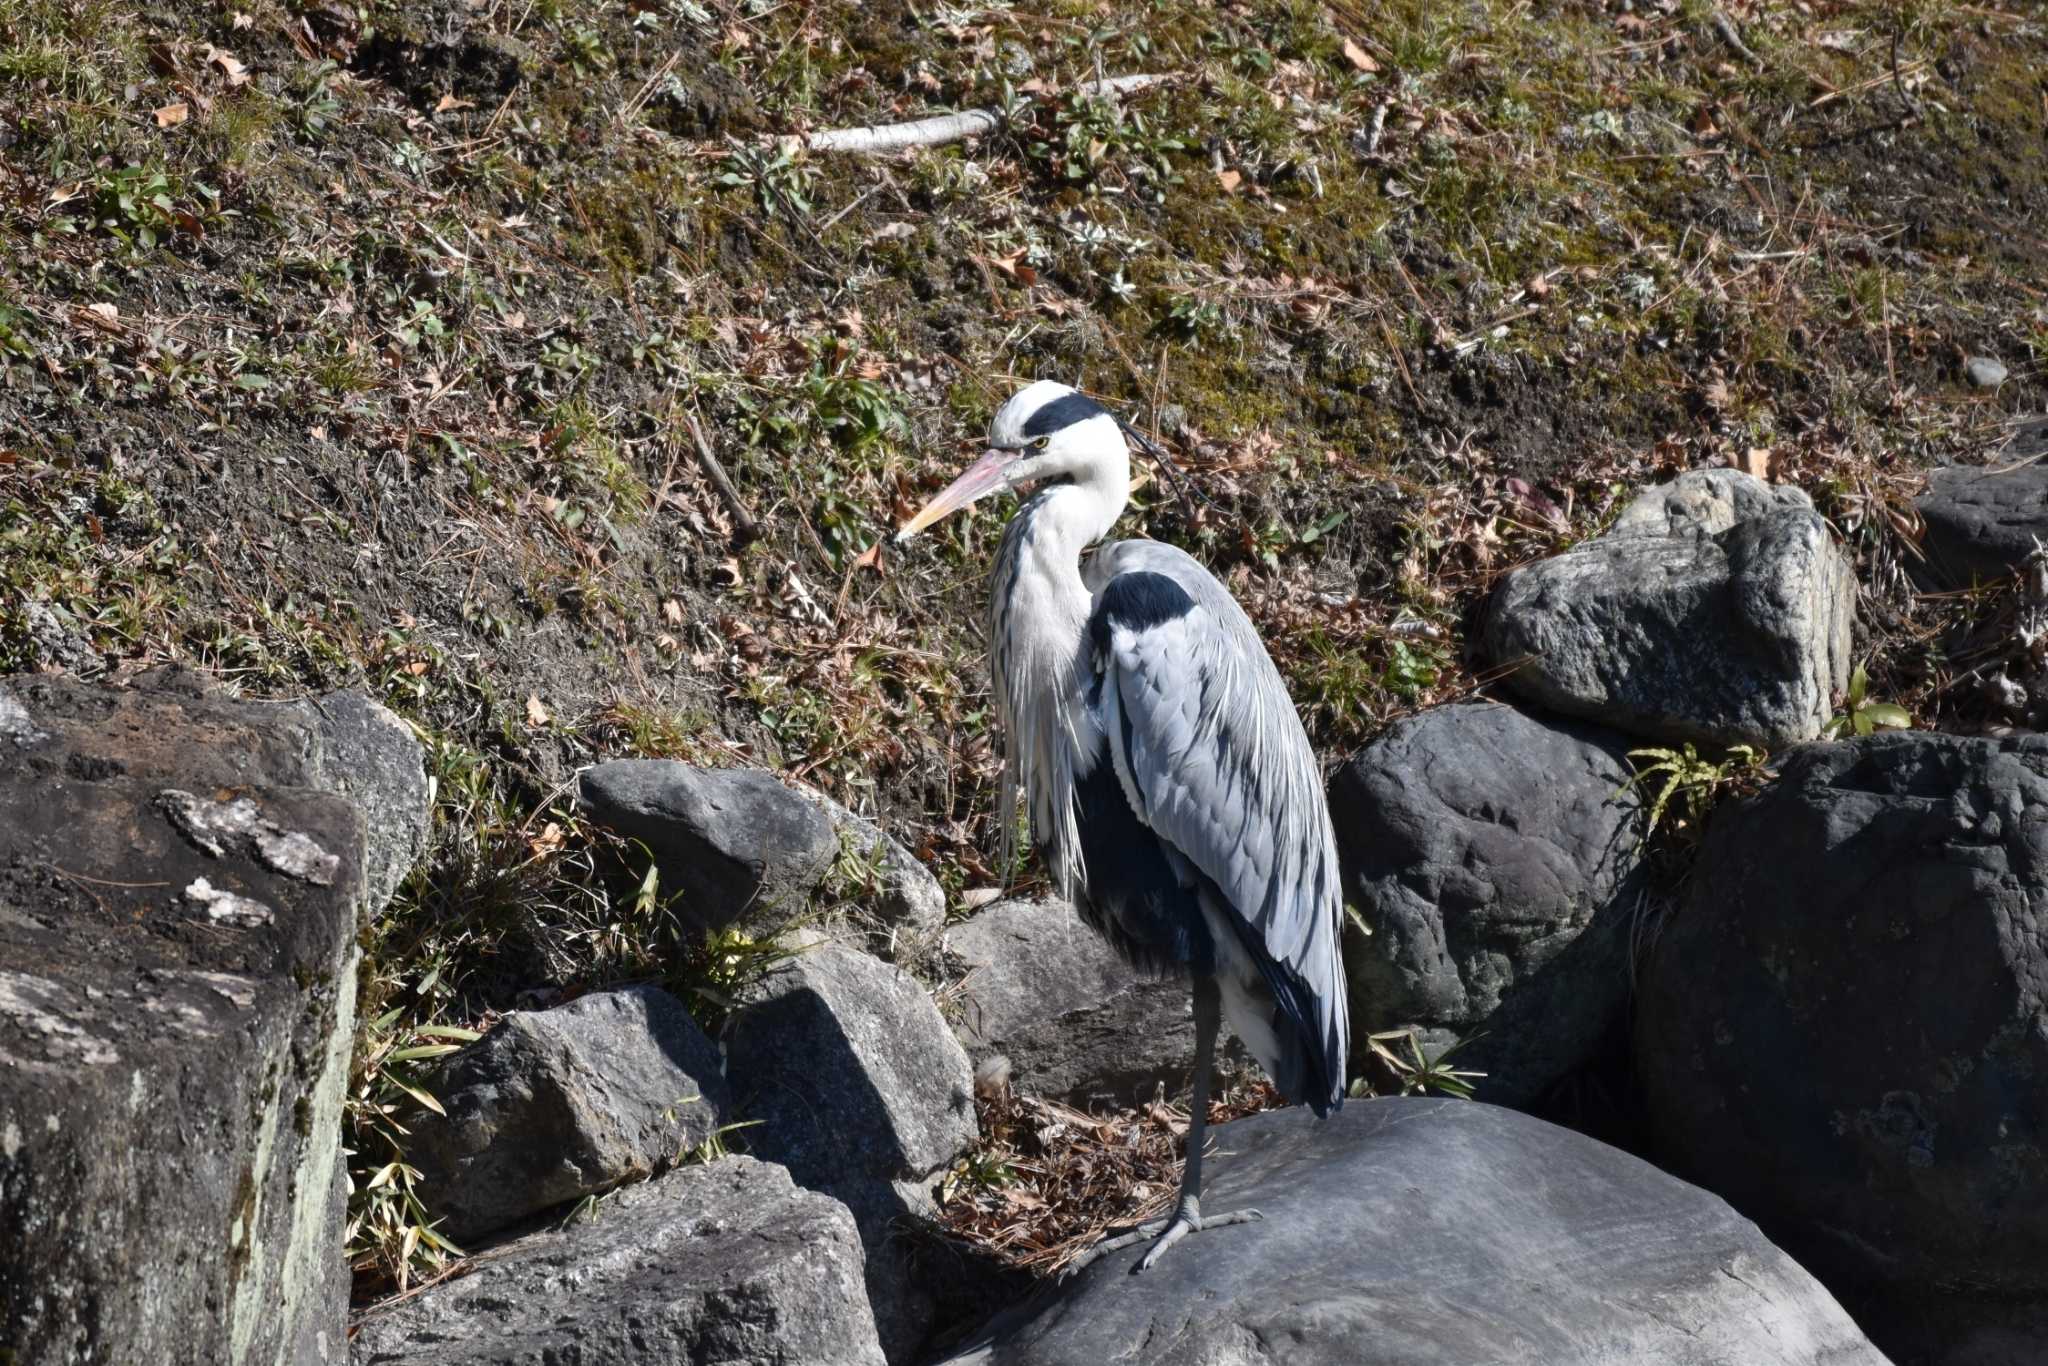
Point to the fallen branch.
(1725, 26)
(882, 138)
(744, 528)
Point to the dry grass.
(1047, 1181)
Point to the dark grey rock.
(727, 1263)
(864, 1094)
(900, 902)
(553, 1105)
(180, 895)
(1495, 857)
(740, 847)
(1074, 1021)
(1983, 372)
(1982, 521)
(1845, 1029)
(1716, 609)
(1440, 1233)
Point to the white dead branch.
(882, 138)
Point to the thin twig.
(1884, 308)
(1401, 364)
(1725, 26)
(880, 139)
(1899, 82)
(744, 528)
(1897, 74)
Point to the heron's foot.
(1163, 1233)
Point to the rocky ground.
(384, 355)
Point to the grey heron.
(1170, 786)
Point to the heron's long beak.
(980, 479)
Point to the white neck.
(1036, 622)
(1068, 518)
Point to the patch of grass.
(62, 599)
(390, 1233)
(712, 973)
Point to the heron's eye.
(1041, 443)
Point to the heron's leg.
(1187, 1215)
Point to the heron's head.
(1047, 432)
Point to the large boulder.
(1413, 1232)
(1983, 521)
(1845, 1032)
(1496, 858)
(1716, 609)
(727, 1263)
(553, 1105)
(740, 847)
(181, 890)
(864, 1094)
(1073, 1021)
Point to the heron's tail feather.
(1308, 1066)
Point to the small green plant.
(585, 49)
(856, 413)
(980, 1170)
(315, 108)
(1411, 670)
(712, 1147)
(137, 204)
(1086, 134)
(1861, 716)
(1419, 1071)
(1682, 775)
(1192, 316)
(1274, 539)
(725, 962)
(780, 183)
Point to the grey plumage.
(1228, 780)
(1168, 781)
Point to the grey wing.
(1212, 756)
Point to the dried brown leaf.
(230, 65)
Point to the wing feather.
(1214, 760)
